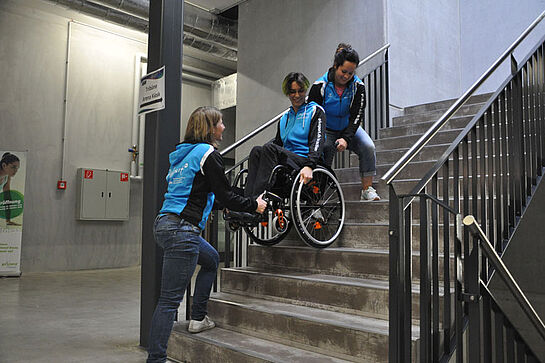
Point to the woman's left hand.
(305, 174)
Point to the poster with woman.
(12, 192)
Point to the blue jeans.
(361, 144)
(183, 248)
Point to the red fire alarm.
(61, 184)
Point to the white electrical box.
(224, 92)
(102, 195)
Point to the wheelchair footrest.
(243, 218)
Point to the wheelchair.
(316, 209)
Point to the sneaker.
(369, 194)
(196, 326)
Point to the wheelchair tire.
(261, 235)
(267, 236)
(318, 209)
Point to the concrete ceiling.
(216, 6)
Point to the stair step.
(344, 294)
(340, 261)
(337, 334)
(432, 152)
(226, 346)
(357, 296)
(416, 169)
(434, 115)
(364, 211)
(421, 127)
(367, 236)
(442, 137)
(439, 105)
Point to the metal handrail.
(476, 231)
(375, 53)
(277, 117)
(434, 129)
(253, 133)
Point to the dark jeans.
(183, 248)
(262, 161)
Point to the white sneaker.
(369, 194)
(196, 326)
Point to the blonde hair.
(200, 127)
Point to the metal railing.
(489, 171)
(476, 231)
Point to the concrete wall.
(424, 39)
(278, 37)
(440, 48)
(488, 27)
(524, 258)
(33, 38)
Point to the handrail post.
(517, 143)
(472, 298)
(387, 88)
(395, 281)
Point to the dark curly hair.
(345, 53)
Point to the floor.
(83, 316)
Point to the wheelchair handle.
(268, 196)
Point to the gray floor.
(83, 316)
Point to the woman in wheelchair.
(292, 157)
(298, 142)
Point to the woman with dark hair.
(342, 95)
(195, 179)
(298, 142)
(8, 168)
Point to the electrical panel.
(102, 195)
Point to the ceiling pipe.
(203, 30)
(197, 21)
(104, 13)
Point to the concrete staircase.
(293, 303)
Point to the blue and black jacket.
(303, 132)
(344, 113)
(195, 178)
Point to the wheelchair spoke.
(318, 209)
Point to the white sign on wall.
(12, 192)
(152, 92)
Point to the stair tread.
(419, 123)
(407, 148)
(316, 277)
(254, 347)
(328, 317)
(326, 250)
(357, 282)
(374, 251)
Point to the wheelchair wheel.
(318, 208)
(271, 232)
(276, 225)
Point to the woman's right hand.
(261, 204)
(341, 144)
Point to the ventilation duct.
(202, 30)
(104, 13)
